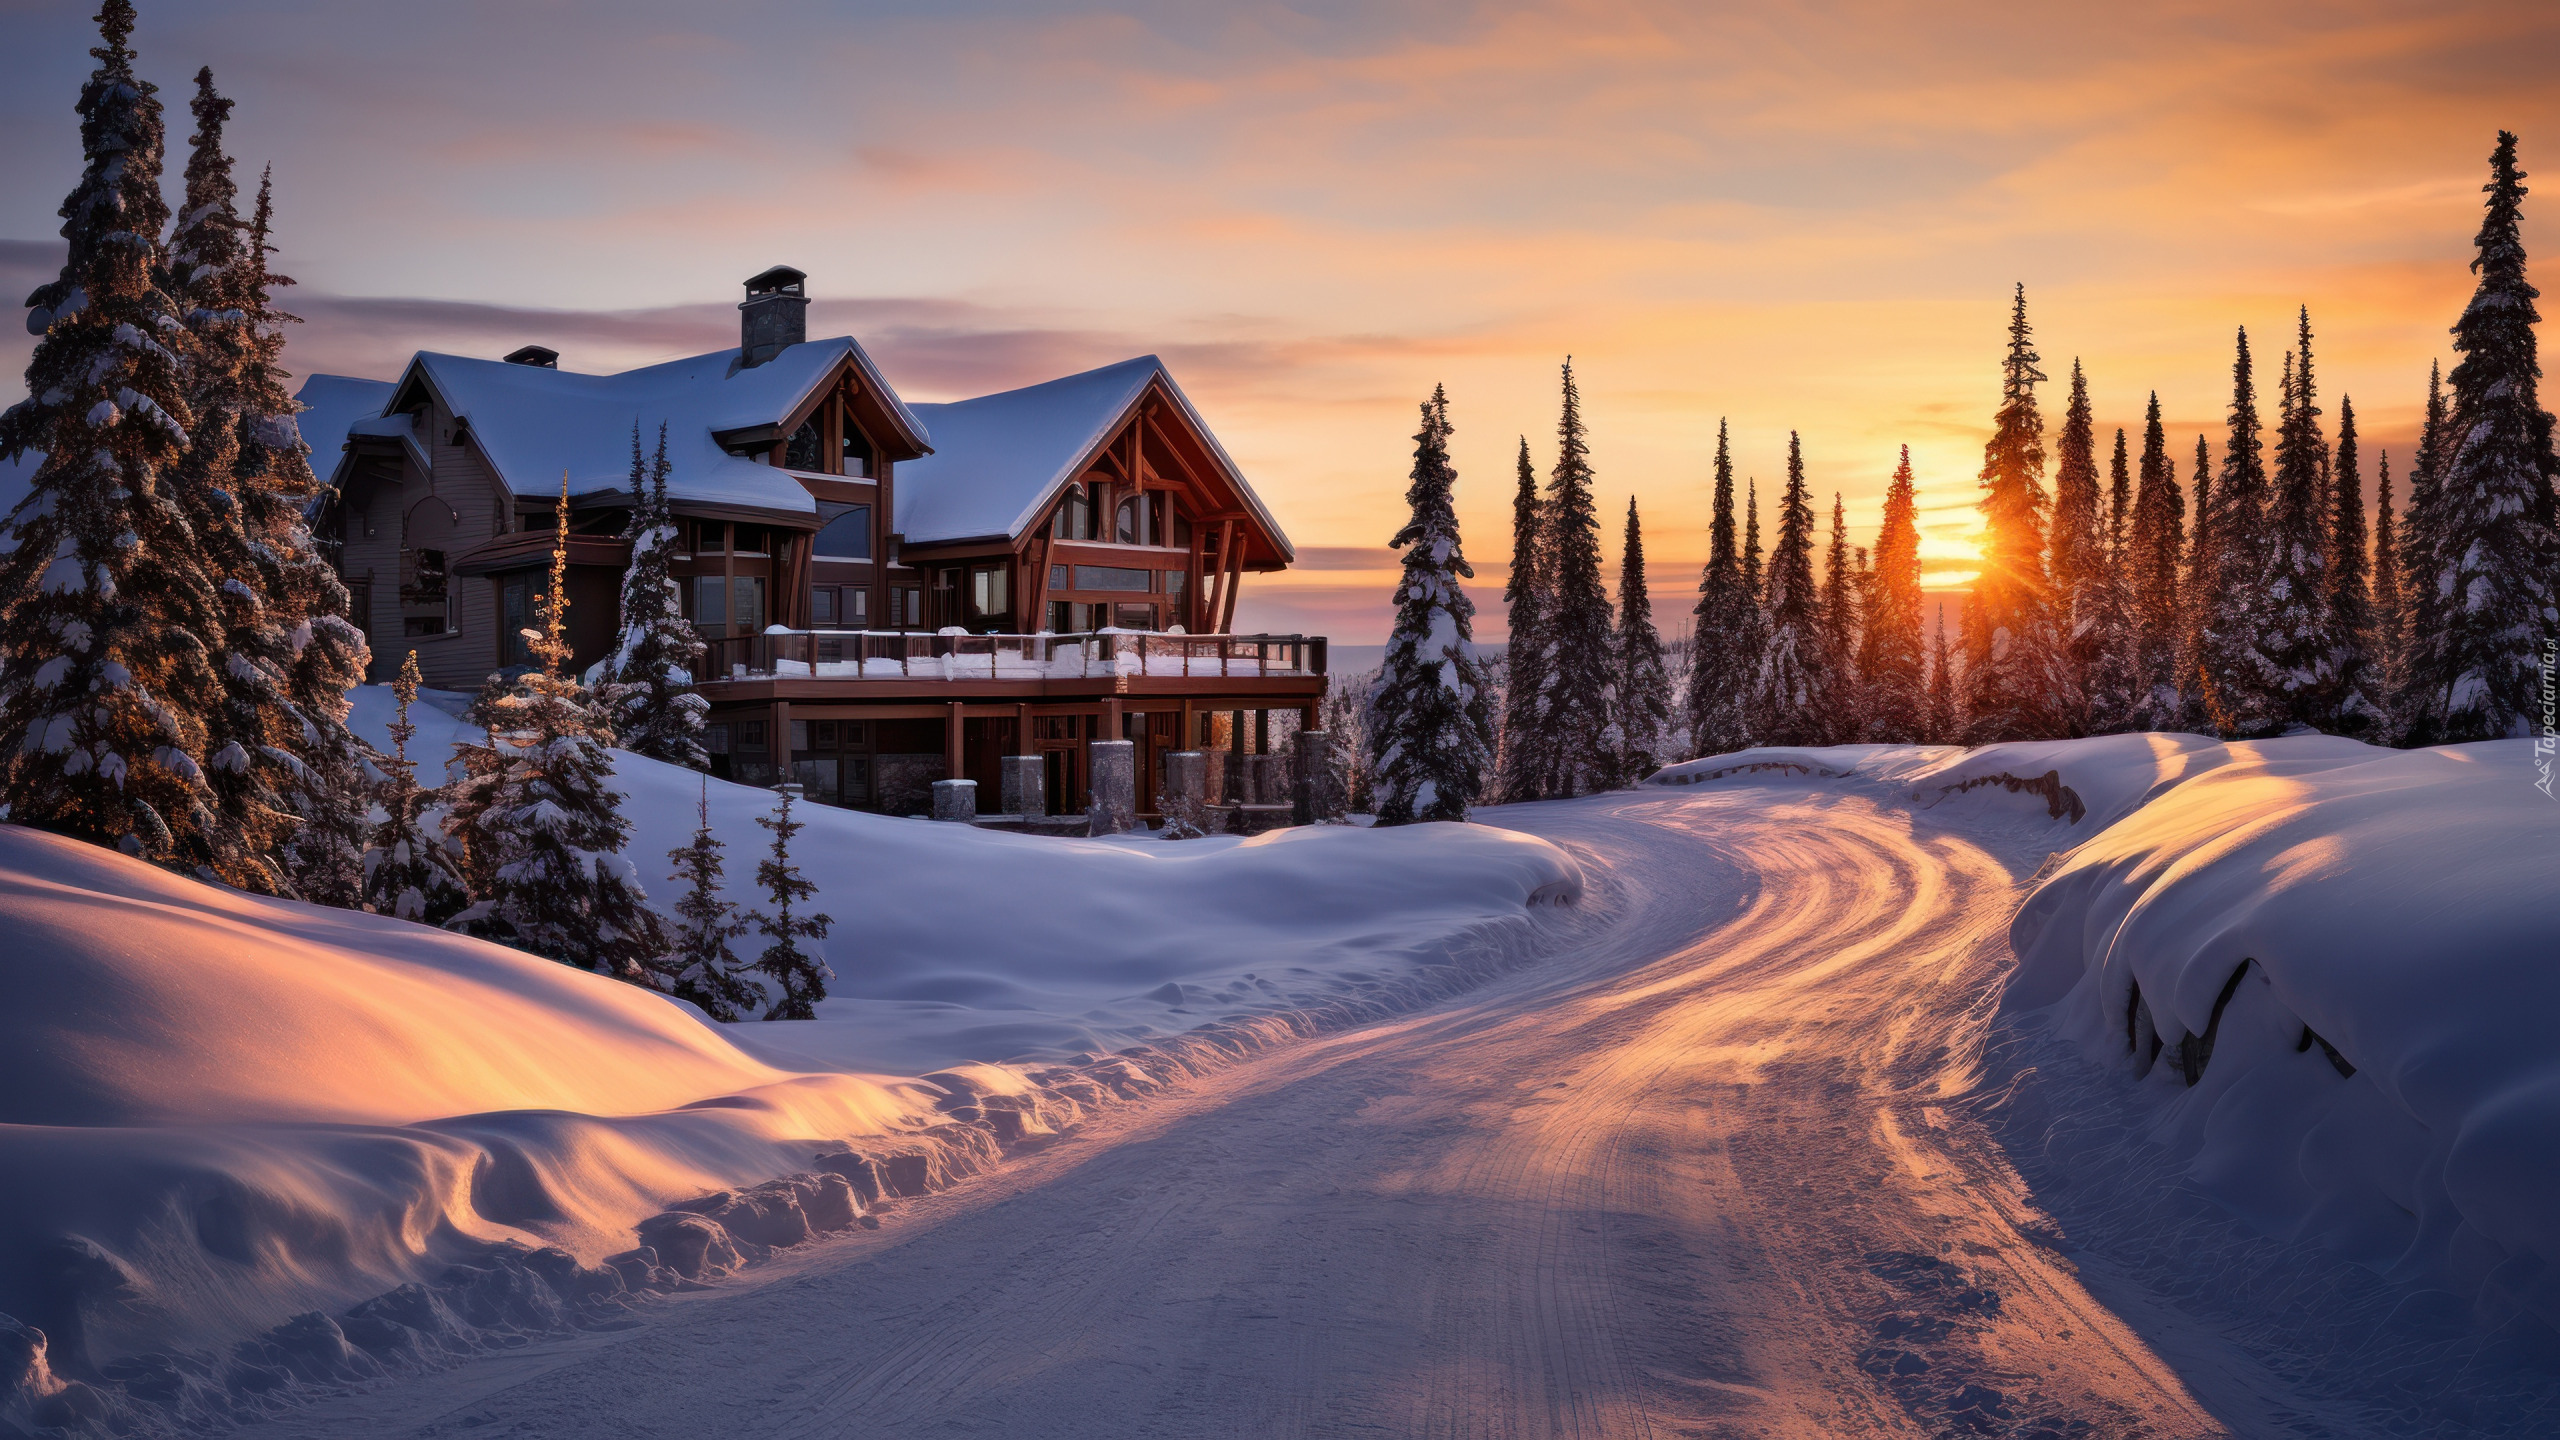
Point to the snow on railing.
(953, 654)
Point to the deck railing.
(780, 654)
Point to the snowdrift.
(256, 1142)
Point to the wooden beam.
(1226, 543)
(1235, 577)
(1036, 618)
(951, 743)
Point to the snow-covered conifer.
(1525, 592)
(2419, 714)
(2156, 549)
(1578, 729)
(646, 684)
(1644, 691)
(1791, 693)
(1944, 724)
(108, 626)
(1891, 661)
(799, 978)
(2014, 674)
(703, 968)
(544, 819)
(2296, 637)
(1430, 719)
(1724, 644)
(2390, 598)
(409, 869)
(2492, 553)
(2073, 550)
(2354, 643)
(2239, 691)
(1840, 600)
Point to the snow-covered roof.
(999, 460)
(332, 405)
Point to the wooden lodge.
(891, 594)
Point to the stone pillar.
(1268, 778)
(1236, 791)
(955, 800)
(1317, 794)
(1186, 775)
(1022, 786)
(1115, 787)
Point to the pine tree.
(1644, 691)
(2420, 714)
(704, 969)
(2492, 550)
(1944, 724)
(799, 977)
(646, 684)
(2353, 638)
(1430, 718)
(107, 623)
(2390, 598)
(2296, 636)
(1839, 619)
(409, 869)
(2073, 549)
(1524, 673)
(2239, 691)
(1752, 580)
(1724, 645)
(543, 819)
(1890, 659)
(1579, 731)
(1791, 694)
(2104, 629)
(2013, 665)
(2158, 548)
(2193, 713)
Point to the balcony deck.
(886, 664)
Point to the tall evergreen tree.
(2074, 550)
(2239, 690)
(646, 684)
(542, 816)
(107, 622)
(408, 868)
(2013, 665)
(1525, 592)
(1890, 659)
(1945, 722)
(2390, 598)
(704, 968)
(2296, 636)
(1724, 646)
(2158, 549)
(1579, 727)
(1644, 691)
(2120, 500)
(799, 977)
(2353, 637)
(2418, 712)
(2104, 632)
(1791, 695)
(1847, 706)
(1430, 719)
(2493, 554)
(2193, 713)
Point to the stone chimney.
(774, 315)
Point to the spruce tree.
(2296, 637)
(2193, 713)
(2105, 634)
(2013, 666)
(1891, 664)
(2240, 692)
(545, 822)
(703, 968)
(1839, 616)
(2073, 545)
(2390, 598)
(799, 977)
(1944, 724)
(1525, 592)
(2420, 713)
(409, 869)
(2492, 551)
(2157, 549)
(2354, 640)
(1791, 693)
(1724, 648)
(1430, 719)
(108, 624)
(1644, 691)
(1752, 579)
(646, 684)
(1578, 731)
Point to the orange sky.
(1797, 216)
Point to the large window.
(806, 448)
(844, 531)
(857, 455)
(733, 608)
(1112, 577)
(1075, 515)
(987, 591)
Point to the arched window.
(1129, 526)
(1075, 515)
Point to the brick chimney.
(774, 315)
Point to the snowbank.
(338, 1139)
(2335, 967)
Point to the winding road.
(1712, 1170)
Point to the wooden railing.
(953, 655)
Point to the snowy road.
(1698, 1175)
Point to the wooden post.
(1234, 581)
(1036, 613)
(951, 744)
(1226, 543)
(729, 587)
(1022, 728)
(779, 745)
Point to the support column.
(1237, 733)
(951, 735)
(1115, 787)
(955, 800)
(1021, 729)
(1023, 786)
(778, 742)
(1317, 797)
